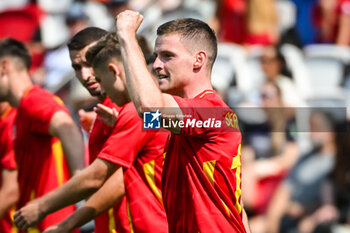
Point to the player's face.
(4, 85)
(111, 83)
(173, 64)
(84, 72)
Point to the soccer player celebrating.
(128, 148)
(9, 191)
(48, 145)
(201, 178)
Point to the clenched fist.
(127, 23)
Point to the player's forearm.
(11, 199)
(76, 189)
(9, 191)
(140, 82)
(110, 193)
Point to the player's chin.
(95, 93)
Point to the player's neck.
(3, 107)
(195, 88)
(20, 85)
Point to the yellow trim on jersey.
(111, 223)
(33, 230)
(14, 229)
(58, 156)
(58, 100)
(207, 92)
(6, 112)
(209, 168)
(236, 163)
(149, 170)
(129, 217)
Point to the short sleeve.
(126, 140)
(41, 109)
(8, 160)
(7, 155)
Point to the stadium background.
(313, 37)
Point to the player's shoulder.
(37, 95)
(38, 101)
(208, 98)
(128, 115)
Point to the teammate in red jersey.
(9, 189)
(202, 170)
(46, 136)
(115, 219)
(128, 148)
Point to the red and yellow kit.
(116, 219)
(141, 156)
(202, 171)
(7, 157)
(41, 163)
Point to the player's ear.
(4, 66)
(114, 68)
(199, 60)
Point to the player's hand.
(58, 228)
(127, 23)
(28, 216)
(86, 119)
(106, 115)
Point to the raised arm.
(110, 193)
(139, 80)
(63, 127)
(76, 189)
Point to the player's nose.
(87, 73)
(158, 64)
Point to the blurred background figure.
(300, 194)
(269, 152)
(274, 66)
(333, 21)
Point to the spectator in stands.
(269, 153)
(335, 209)
(246, 22)
(333, 21)
(274, 66)
(262, 22)
(229, 20)
(301, 194)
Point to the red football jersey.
(202, 171)
(7, 157)
(41, 163)
(116, 219)
(141, 155)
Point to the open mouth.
(160, 77)
(93, 85)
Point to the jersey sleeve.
(7, 153)
(7, 159)
(126, 140)
(42, 111)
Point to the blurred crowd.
(282, 65)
